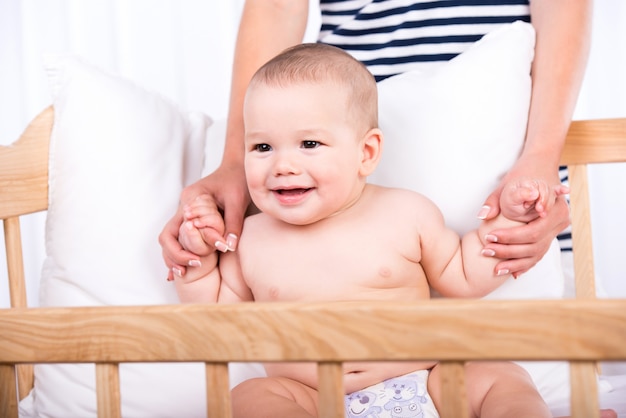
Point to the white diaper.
(399, 397)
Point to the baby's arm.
(457, 267)
(203, 279)
(201, 282)
(471, 270)
(218, 278)
(526, 199)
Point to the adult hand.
(226, 188)
(523, 246)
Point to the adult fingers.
(491, 206)
(234, 213)
(540, 229)
(174, 255)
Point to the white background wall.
(183, 49)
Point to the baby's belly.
(357, 376)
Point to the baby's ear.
(372, 147)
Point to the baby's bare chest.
(318, 266)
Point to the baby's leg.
(503, 389)
(271, 397)
(496, 389)
(510, 393)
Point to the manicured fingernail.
(231, 241)
(502, 272)
(220, 246)
(484, 211)
(491, 238)
(177, 272)
(194, 263)
(487, 252)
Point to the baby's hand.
(526, 199)
(198, 215)
(191, 239)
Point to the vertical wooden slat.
(584, 391)
(15, 263)
(581, 232)
(17, 293)
(582, 247)
(8, 392)
(331, 391)
(583, 375)
(218, 391)
(108, 390)
(453, 392)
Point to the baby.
(324, 234)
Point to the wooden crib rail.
(588, 142)
(474, 330)
(595, 141)
(24, 169)
(327, 333)
(23, 190)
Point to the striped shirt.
(395, 36)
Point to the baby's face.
(302, 151)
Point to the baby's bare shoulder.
(258, 220)
(254, 226)
(402, 198)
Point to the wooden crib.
(582, 331)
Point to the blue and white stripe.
(395, 36)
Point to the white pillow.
(453, 131)
(119, 158)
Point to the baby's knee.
(486, 374)
(248, 388)
(492, 384)
(264, 396)
(247, 393)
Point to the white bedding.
(612, 391)
(614, 395)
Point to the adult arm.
(266, 28)
(563, 29)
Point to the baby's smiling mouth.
(292, 195)
(292, 192)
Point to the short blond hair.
(317, 62)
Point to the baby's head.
(311, 133)
(325, 66)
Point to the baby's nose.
(286, 164)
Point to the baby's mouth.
(292, 192)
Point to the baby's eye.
(310, 144)
(262, 147)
